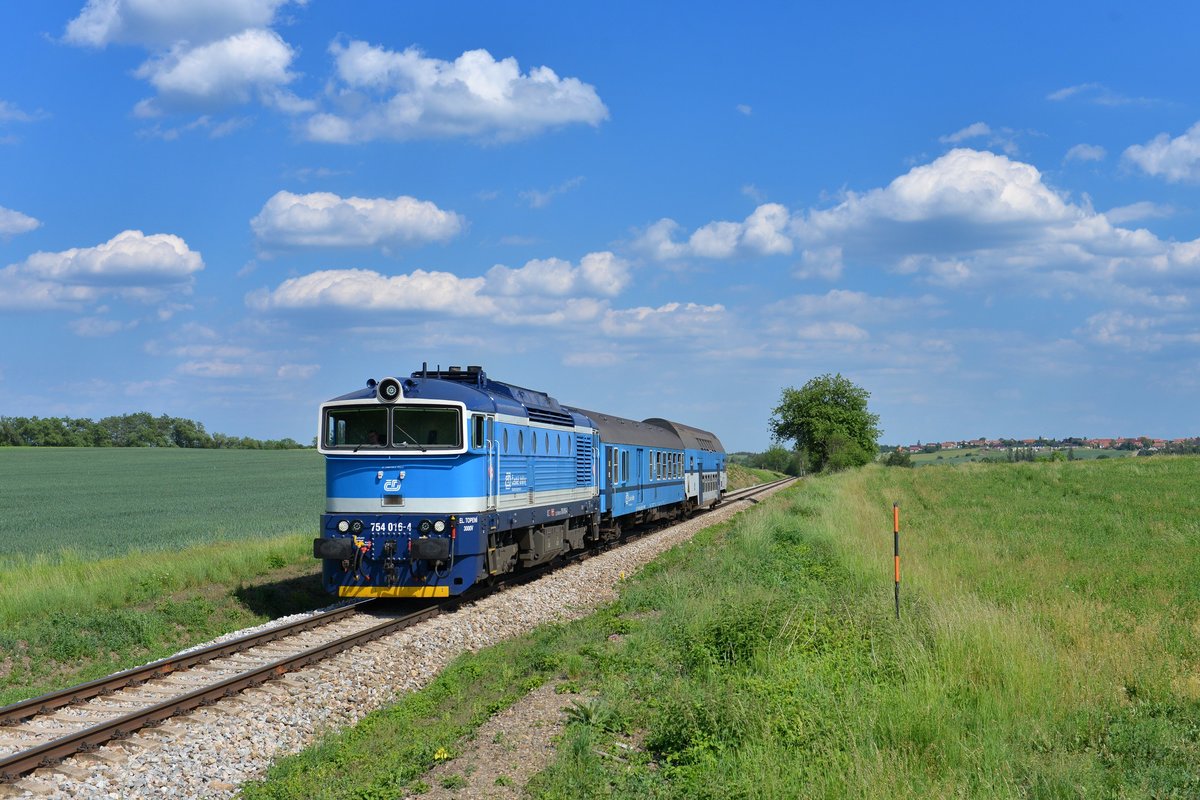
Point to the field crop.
(1049, 647)
(101, 502)
(109, 558)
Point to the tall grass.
(1048, 648)
(70, 581)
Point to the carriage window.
(520, 441)
(356, 427)
(477, 438)
(426, 427)
(547, 441)
(533, 441)
(506, 440)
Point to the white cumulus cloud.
(598, 273)
(129, 259)
(155, 23)
(323, 219)
(369, 291)
(385, 94)
(131, 264)
(966, 218)
(764, 232)
(224, 72)
(1176, 160)
(13, 222)
(973, 216)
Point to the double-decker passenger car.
(445, 479)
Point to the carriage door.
(493, 466)
(641, 474)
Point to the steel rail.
(25, 761)
(46, 754)
(750, 491)
(44, 704)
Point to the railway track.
(41, 731)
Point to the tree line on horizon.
(141, 429)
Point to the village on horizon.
(1146, 443)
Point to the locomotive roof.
(618, 430)
(693, 438)
(477, 392)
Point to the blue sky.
(231, 210)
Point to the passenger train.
(446, 479)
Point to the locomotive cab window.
(356, 427)
(477, 431)
(426, 427)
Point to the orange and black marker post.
(896, 547)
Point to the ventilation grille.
(549, 416)
(583, 461)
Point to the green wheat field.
(102, 502)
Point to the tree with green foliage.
(776, 458)
(898, 458)
(141, 429)
(828, 419)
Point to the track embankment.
(214, 740)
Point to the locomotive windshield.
(426, 426)
(401, 427)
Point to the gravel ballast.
(209, 752)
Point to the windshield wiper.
(410, 436)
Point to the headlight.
(424, 526)
(343, 526)
(356, 526)
(439, 526)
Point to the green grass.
(110, 558)
(740, 477)
(73, 621)
(100, 502)
(1049, 648)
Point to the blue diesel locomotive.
(446, 479)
